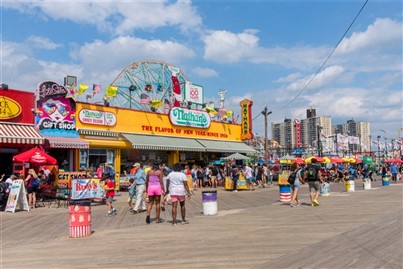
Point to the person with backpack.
(314, 178)
(295, 179)
(32, 183)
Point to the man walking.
(140, 180)
(314, 178)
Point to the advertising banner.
(17, 198)
(86, 189)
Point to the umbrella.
(326, 160)
(287, 158)
(35, 155)
(308, 160)
(394, 160)
(336, 159)
(236, 156)
(299, 160)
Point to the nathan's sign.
(95, 117)
(246, 125)
(189, 118)
(9, 108)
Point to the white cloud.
(288, 78)
(227, 47)
(382, 33)
(204, 72)
(119, 17)
(42, 43)
(327, 76)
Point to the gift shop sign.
(189, 118)
(95, 117)
(9, 108)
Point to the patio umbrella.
(394, 160)
(299, 160)
(308, 160)
(236, 156)
(336, 159)
(35, 156)
(326, 160)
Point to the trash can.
(385, 180)
(80, 218)
(325, 189)
(285, 193)
(350, 187)
(367, 184)
(209, 202)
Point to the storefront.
(17, 131)
(55, 118)
(123, 136)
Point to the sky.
(279, 54)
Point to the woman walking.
(154, 187)
(178, 190)
(295, 171)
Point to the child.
(110, 193)
(132, 194)
(165, 183)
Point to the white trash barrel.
(209, 202)
(367, 184)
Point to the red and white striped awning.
(67, 142)
(19, 133)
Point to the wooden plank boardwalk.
(362, 229)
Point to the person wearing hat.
(134, 168)
(140, 180)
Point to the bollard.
(80, 218)
(209, 202)
(385, 180)
(285, 193)
(367, 184)
(350, 187)
(325, 189)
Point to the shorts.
(314, 186)
(213, 177)
(32, 190)
(154, 190)
(296, 186)
(250, 179)
(180, 198)
(131, 198)
(109, 199)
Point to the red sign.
(11, 99)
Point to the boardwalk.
(251, 230)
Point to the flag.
(156, 103)
(111, 91)
(82, 88)
(144, 99)
(354, 140)
(96, 89)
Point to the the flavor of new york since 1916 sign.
(189, 118)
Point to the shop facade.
(124, 136)
(17, 129)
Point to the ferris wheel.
(149, 86)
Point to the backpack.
(3, 191)
(35, 183)
(312, 173)
(292, 177)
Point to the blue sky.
(265, 51)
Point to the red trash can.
(80, 218)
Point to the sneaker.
(109, 214)
(234, 191)
(293, 205)
(173, 224)
(131, 209)
(114, 210)
(312, 204)
(148, 219)
(299, 203)
(316, 202)
(185, 222)
(163, 208)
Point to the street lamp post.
(265, 113)
(379, 156)
(370, 144)
(132, 88)
(319, 142)
(386, 148)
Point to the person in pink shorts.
(155, 188)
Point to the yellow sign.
(246, 125)
(158, 124)
(9, 108)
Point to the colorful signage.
(86, 189)
(297, 124)
(246, 124)
(95, 117)
(17, 106)
(194, 93)
(9, 108)
(64, 178)
(55, 114)
(189, 118)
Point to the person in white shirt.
(178, 190)
(247, 170)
